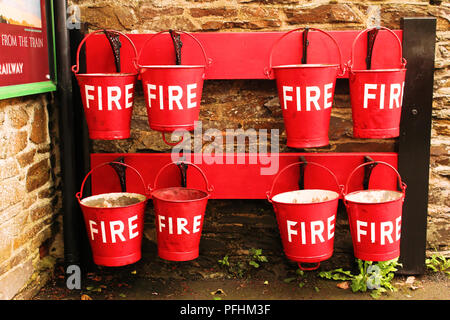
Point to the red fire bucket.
(306, 93)
(179, 214)
(108, 98)
(376, 96)
(114, 223)
(375, 219)
(306, 220)
(172, 92)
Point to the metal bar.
(301, 180)
(81, 146)
(371, 36)
(121, 172)
(419, 36)
(177, 44)
(183, 173)
(305, 45)
(114, 41)
(367, 172)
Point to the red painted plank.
(243, 180)
(243, 55)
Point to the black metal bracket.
(120, 170)
(183, 173)
(301, 180)
(305, 45)
(371, 36)
(114, 41)
(177, 44)
(368, 171)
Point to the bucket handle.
(268, 71)
(340, 187)
(209, 188)
(309, 268)
(402, 60)
(76, 67)
(80, 194)
(172, 144)
(138, 57)
(400, 182)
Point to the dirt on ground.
(241, 274)
(133, 282)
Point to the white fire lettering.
(116, 229)
(174, 96)
(319, 230)
(379, 232)
(372, 91)
(314, 100)
(179, 225)
(94, 95)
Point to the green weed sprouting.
(374, 276)
(256, 257)
(438, 263)
(240, 268)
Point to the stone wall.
(29, 196)
(254, 103)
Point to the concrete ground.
(204, 278)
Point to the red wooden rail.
(243, 55)
(244, 179)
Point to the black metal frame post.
(74, 145)
(66, 129)
(82, 145)
(419, 37)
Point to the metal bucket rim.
(401, 194)
(138, 195)
(307, 203)
(379, 70)
(106, 74)
(180, 201)
(174, 66)
(308, 65)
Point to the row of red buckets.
(305, 218)
(173, 94)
